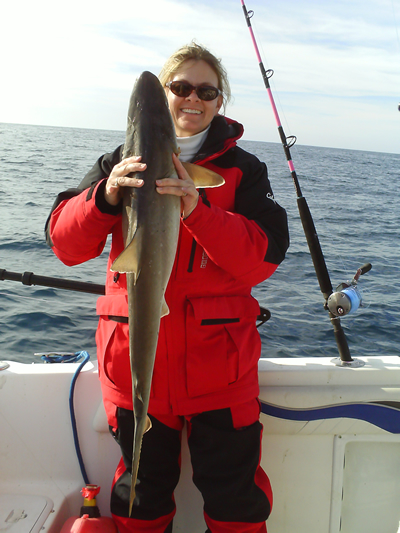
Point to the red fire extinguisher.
(89, 520)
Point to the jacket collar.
(223, 134)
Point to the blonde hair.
(196, 52)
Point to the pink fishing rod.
(305, 213)
(287, 142)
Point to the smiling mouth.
(192, 111)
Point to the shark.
(150, 226)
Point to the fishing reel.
(347, 298)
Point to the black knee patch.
(158, 473)
(225, 461)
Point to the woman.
(205, 373)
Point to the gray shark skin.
(150, 225)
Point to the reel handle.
(365, 268)
(362, 270)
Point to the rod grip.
(29, 278)
(341, 340)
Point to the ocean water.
(352, 195)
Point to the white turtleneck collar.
(190, 145)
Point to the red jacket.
(208, 346)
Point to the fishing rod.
(310, 232)
(29, 278)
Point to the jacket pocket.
(112, 341)
(222, 341)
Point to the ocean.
(353, 198)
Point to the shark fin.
(164, 308)
(203, 177)
(127, 261)
(148, 424)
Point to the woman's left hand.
(182, 186)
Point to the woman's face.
(190, 114)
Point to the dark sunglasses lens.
(207, 93)
(180, 88)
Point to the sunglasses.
(184, 89)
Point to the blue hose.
(57, 357)
(86, 357)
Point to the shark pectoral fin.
(203, 177)
(148, 424)
(164, 308)
(127, 261)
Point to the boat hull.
(331, 444)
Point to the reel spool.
(347, 298)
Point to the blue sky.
(337, 64)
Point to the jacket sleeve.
(81, 219)
(250, 242)
(78, 229)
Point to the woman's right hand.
(118, 178)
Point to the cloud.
(336, 64)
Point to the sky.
(336, 64)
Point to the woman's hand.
(118, 178)
(182, 186)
